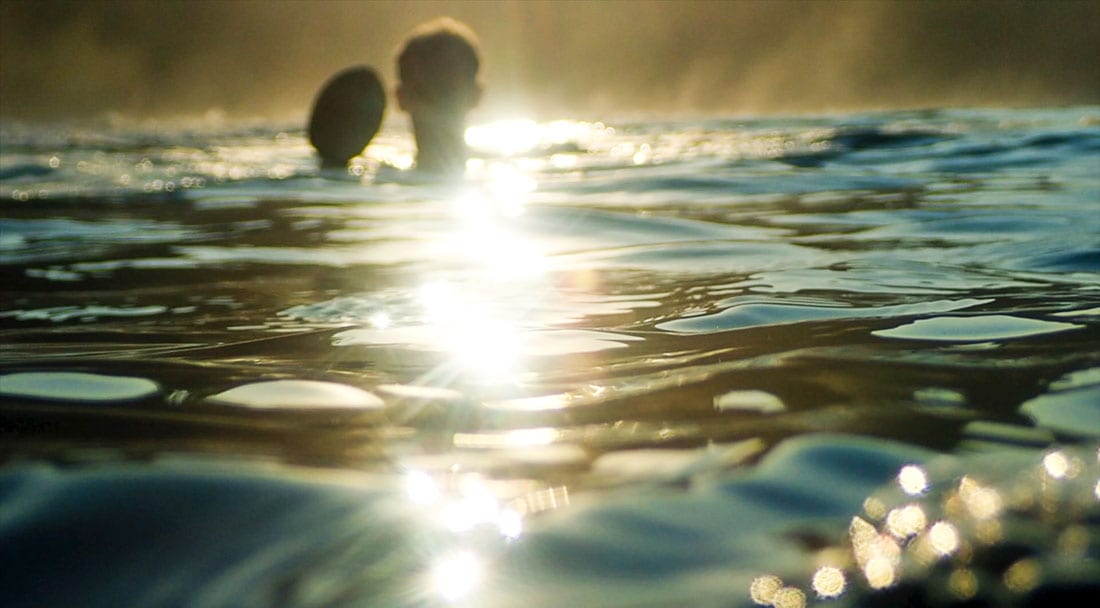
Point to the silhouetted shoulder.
(346, 115)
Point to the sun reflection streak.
(520, 136)
(479, 343)
(478, 321)
(467, 526)
(504, 138)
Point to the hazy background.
(266, 59)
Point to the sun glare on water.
(507, 138)
(479, 317)
(456, 576)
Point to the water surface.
(624, 364)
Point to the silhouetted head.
(437, 70)
(438, 67)
(346, 115)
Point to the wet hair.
(439, 59)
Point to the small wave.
(25, 171)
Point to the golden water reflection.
(763, 589)
(509, 138)
(913, 480)
(478, 319)
(829, 582)
(469, 520)
(944, 538)
(907, 521)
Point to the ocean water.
(843, 360)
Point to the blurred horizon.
(84, 61)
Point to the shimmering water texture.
(846, 360)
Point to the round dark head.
(346, 115)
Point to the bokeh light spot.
(913, 480)
(764, 588)
(944, 538)
(963, 583)
(829, 582)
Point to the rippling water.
(838, 360)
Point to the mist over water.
(84, 60)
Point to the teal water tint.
(624, 364)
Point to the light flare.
(380, 320)
(789, 597)
(906, 521)
(763, 589)
(944, 538)
(474, 506)
(913, 480)
(1060, 466)
(421, 488)
(981, 502)
(829, 582)
(456, 576)
(878, 555)
(505, 137)
(486, 346)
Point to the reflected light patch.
(829, 582)
(1074, 542)
(906, 521)
(1058, 466)
(510, 184)
(456, 576)
(476, 507)
(944, 538)
(516, 137)
(789, 597)
(989, 531)
(479, 343)
(880, 572)
(482, 236)
(533, 437)
(398, 160)
(763, 589)
(510, 524)
(421, 488)
(874, 508)
(913, 480)
(473, 209)
(505, 254)
(380, 320)
(1023, 575)
(981, 502)
(564, 161)
(877, 554)
(505, 137)
(963, 583)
